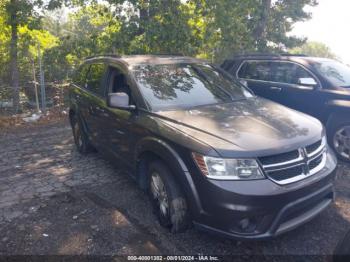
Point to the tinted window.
(118, 83)
(337, 73)
(95, 77)
(284, 72)
(256, 70)
(80, 75)
(186, 86)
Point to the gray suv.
(207, 150)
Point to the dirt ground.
(54, 201)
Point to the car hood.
(248, 127)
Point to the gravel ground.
(55, 201)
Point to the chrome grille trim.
(304, 159)
(319, 149)
(321, 165)
(286, 163)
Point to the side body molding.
(339, 104)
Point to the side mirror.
(119, 100)
(307, 81)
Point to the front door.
(294, 93)
(94, 101)
(118, 124)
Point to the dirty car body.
(248, 168)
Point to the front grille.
(315, 162)
(285, 157)
(285, 174)
(313, 147)
(295, 165)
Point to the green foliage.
(28, 40)
(4, 46)
(316, 49)
(204, 28)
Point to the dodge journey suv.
(316, 86)
(206, 149)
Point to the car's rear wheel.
(80, 139)
(339, 137)
(169, 203)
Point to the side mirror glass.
(119, 100)
(307, 81)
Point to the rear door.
(258, 77)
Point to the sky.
(330, 24)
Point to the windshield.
(174, 86)
(337, 73)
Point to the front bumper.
(262, 209)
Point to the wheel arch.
(337, 109)
(150, 149)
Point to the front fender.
(171, 157)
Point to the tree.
(282, 15)
(260, 32)
(17, 13)
(251, 25)
(156, 26)
(203, 28)
(313, 48)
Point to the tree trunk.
(13, 56)
(144, 15)
(261, 29)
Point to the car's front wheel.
(169, 203)
(80, 139)
(339, 137)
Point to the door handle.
(276, 88)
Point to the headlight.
(228, 169)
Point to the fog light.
(244, 223)
(247, 225)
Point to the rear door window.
(256, 70)
(95, 79)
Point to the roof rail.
(103, 55)
(289, 54)
(267, 54)
(161, 54)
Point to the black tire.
(176, 218)
(81, 141)
(334, 127)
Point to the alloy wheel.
(341, 142)
(159, 194)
